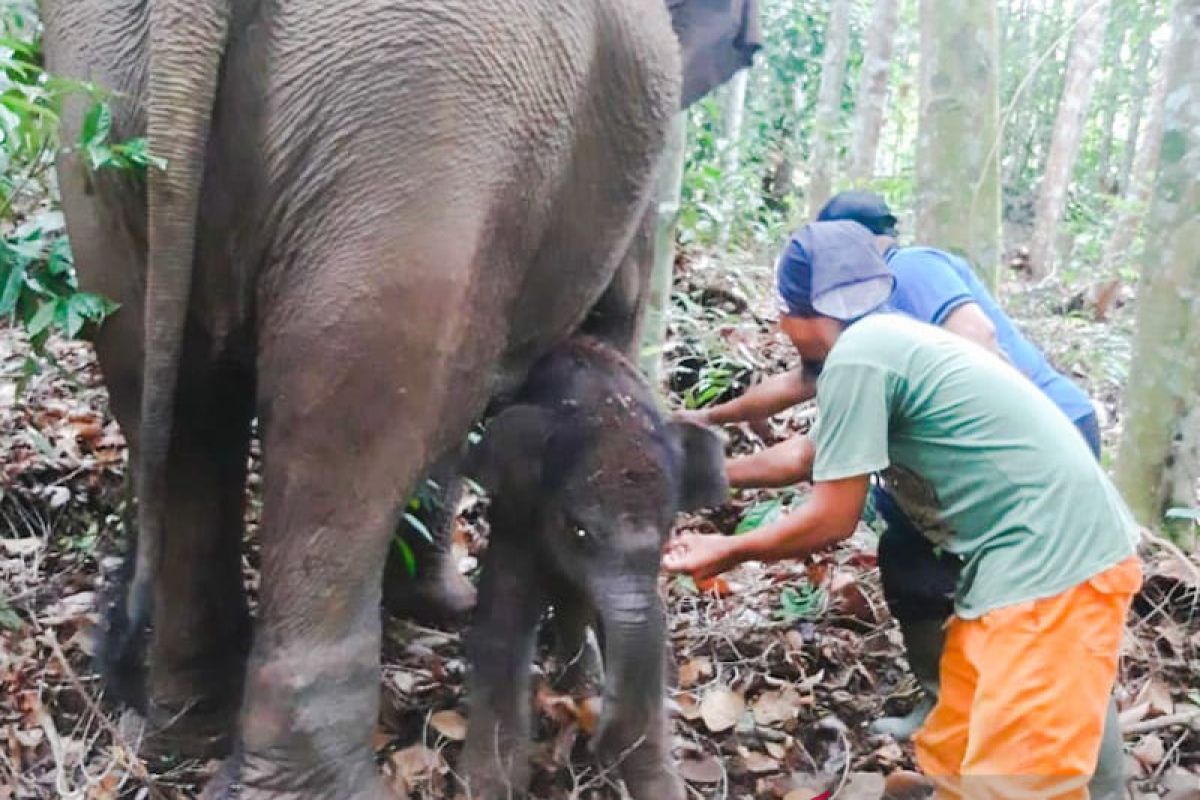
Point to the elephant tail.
(187, 42)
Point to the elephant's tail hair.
(187, 43)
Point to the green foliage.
(805, 602)
(38, 288)
(406, 554)
(763, 513)
(1183, 525)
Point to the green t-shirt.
(981, 461)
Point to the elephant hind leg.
(352, 413)
(199, 638)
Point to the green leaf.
(421, 528)
(12, 288)
(406, 553)
(136, 153)
(97, 126)
(760, 514)
(686, 584)
(42, 318)
(91, 307)
(8, 618)
(18, 103)
(805, 603)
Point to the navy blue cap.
(866, 208)
(832, 269)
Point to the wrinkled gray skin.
(585, 476)
(376, 216)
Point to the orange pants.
(1024, 692)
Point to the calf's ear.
(702, 482)
(509, 457)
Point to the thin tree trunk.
(873, 89)
(670, 182)
(1137, 192)
(1165, 374)
(1141, 84)
(732, 116)
(1068, 128)
(1043, 100)
(958, 203)
(1114, 75)
(829, 106)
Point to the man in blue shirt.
(918, 581)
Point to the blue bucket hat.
(832, 269)
(865, 208)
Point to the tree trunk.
(829, 106)
(733, 113)
(1141, 84)
(1137, 192)
(958, 200)
(1165, 375)
(1068, 128)
(873, 89)
(670, 181)
(1114, 75)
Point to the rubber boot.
(923, 643)
(1108, 782)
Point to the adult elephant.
(374, 217)
(717, 38)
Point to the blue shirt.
(930, 284)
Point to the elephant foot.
(121, 656)
(200, 729)
(229, 784)
(437, 595)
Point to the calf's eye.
(580, 533)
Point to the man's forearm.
(767, 398)
(830, 515)
(785, 464)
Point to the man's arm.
(784, 464)
(765, 399)
(969, 322)
(830, 515)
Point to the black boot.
(923, 644)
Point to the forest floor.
(780, 669)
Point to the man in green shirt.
(989, 469)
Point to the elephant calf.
(585, 476)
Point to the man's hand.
(700, 555)
(695, 416)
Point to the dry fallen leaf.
(561, 708)
(776, 749)
(412, 765)
(450, 724)
(776, 706)
(905, 785)
(693, 671)
(689, 709)
(1149, 751)
(721, 708)
(715, 585)
(590, 711)
(849, 597)
(704, 769)
(1157, 697)
(758, 763)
